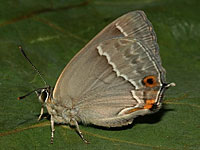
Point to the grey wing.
(133, 24)
(137, 26)
(102, 105)
(131, 59)
(89, 81)
(128, 62)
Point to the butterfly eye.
(42, 95)
(150, 81)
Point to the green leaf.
(52, 32)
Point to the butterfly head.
(44, 94)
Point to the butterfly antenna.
(22, 97)
(24, 54)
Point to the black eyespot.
(150, 81)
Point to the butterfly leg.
(74, 122)
(52, 129)
(41, 113)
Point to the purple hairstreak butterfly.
(116, 77)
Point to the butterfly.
(116, 77)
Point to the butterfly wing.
(105, 80)
(121, 92)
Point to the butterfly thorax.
(61, 113)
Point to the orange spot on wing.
(150, 81)
(149, 103)
(132, 110)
